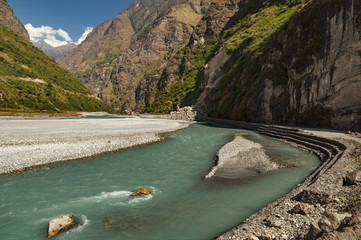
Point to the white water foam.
(85, 222)
(121, 195)
(107, 195)
(140, 199)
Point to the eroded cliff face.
(9, 20)
(309, 75)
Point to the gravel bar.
(29, 143)
(241, 159)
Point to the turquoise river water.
(184, 206)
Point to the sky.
(65, 21)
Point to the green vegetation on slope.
(247, 42)
(29, 79)
(189, 72)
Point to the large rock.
(142, 191)
(353, 178)
(329, 222)
(61, 223)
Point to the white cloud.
(85, 34)
(52, 36)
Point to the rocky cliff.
(121, 60)
(9, 20)
(285, 62)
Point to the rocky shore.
(29, 143)
(326, 205)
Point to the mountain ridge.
(150, 31)
(55, 52)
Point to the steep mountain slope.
(289, 62)
(121, 58)
(55, 52)
(9, 20)
(29, 79)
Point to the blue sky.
(65, 21)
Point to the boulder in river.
(61, 223)
(142, 191)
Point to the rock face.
(309, 74)
(120, 60)
(142, 191)
(302, 68)
(9, 20)
(61, 224)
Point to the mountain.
(55, 52)
(9, 20)
(31, 80)
(282, 62)
(122, 58)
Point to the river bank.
(34, 142)
(324, 206)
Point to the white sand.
(26, 143)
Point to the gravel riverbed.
(29, 143)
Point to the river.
(184, 205)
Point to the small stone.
(273, 223)
(266, 237)
(353, 178)
(61, 223)
(325, 225)
(314, 231)
(142, 191)
(300, 209)
(253, 238)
